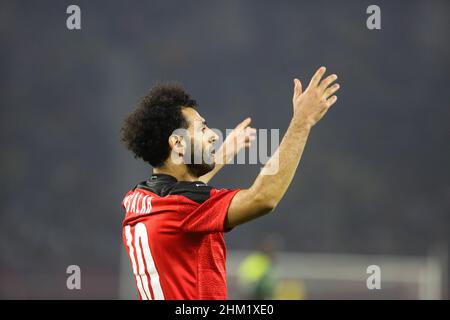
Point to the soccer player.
(174, 223)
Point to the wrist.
(301, 122)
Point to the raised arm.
(274, 179)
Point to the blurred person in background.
(255, 272)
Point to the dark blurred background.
(374, 178)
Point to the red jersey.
(173, 233)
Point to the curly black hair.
(147, 129)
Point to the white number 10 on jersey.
(141, 270)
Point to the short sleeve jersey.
(173, 233)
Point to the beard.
(206, 165)
(198, 170)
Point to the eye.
(204, 128)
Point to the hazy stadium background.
(374, 182)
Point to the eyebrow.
(204, 122)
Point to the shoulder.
(165, 185)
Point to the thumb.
(297, 87)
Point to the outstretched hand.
(312, 104)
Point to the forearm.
(271, 184)
(276, 176)
(273, 181)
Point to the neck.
(178, 172)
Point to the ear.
(176, 144)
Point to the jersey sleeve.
(209, 216)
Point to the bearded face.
(199, 155)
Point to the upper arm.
(246, 205)
(207, 211)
